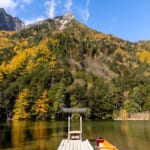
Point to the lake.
(46, 135)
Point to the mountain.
(60, 62)
(61, 20)
(9, 23)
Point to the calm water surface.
(46, 135)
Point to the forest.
(43, 69)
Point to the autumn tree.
(21, 105)
(41, 109)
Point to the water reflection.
(126, 135)
(38, 135)
(46, 135)
(18, 133)
(134, 136)
(5, 132)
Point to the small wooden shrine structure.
(74, 135)
(74, 140)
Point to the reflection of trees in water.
(134, 134)
(5, 135)
(18, 132)
(38, 135)
(45, 135)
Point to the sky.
(127, 19)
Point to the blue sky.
(127, 19)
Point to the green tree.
(146, 106)
(131, 106)
(78, 96)
(57, 95)
(61, 95)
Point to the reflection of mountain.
(9, 23)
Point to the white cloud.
(27, 22)
(50, 8)
(84, 12)
(68, 5)
(8, 4)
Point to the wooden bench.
(74, 135)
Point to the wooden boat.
(103, 144)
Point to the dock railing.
(77, 134)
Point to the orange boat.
(103, 144)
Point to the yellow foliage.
(44, 95)
(21, 105)
(24, 43)
(144, 56)
(1, 76)
(124, 114)
(53, 62)
(16, 62)
(3, 66)
(41, 105)
(17, 48)
(53, 41)
(30, 66)
(4, 40)
(29, 58)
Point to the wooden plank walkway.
(75, 145)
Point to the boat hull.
(103, 144)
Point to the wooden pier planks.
(75, 145)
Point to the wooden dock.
(74, 140)
(75, 145)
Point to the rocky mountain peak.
(61, 22)
(2, 11)
(64, 20)
(69, 16)
(7, 22)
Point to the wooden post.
(68, 126)
(80, 127)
